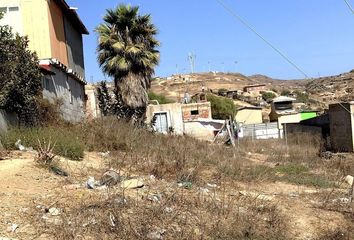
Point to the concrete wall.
(196, 111)
(92, 109)
(174, 115)
(341, 127)
(6, 120)
(249, 116)
(74, 46)
(202, 130)
(69, 91)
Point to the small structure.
(341, 117)
(281, 106)
(249, 115)
(255, 89)
(192, 119)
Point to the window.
(13, 9)
(194, 112)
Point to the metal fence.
(261, 131)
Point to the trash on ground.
(132, 184)
(110, 178)
(21, 147)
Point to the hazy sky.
(318, 35)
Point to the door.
(161, 124)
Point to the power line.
(349, 6)
(244, 22)
(239, 18)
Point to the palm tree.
(127, 52)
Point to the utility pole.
(223, 67)
(177, 70)
(209, 66)
(191, 58)
(236, 62)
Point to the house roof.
(73, 16)
(283, 99)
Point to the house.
(249, 115)
(341, 118)
(257, 88)
(55, 33)
(192, 119)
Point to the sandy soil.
(23, 185)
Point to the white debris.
(12, 228)
(92, 183)
(349, 179)
(21, 147)
(132, 184)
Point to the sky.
(317, 35)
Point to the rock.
(326, 155)
(6, 238)
(155, 197)
(110, 178)
(54, 211)
(156, 235)
(349, 179)
(168, 210)
(212, 185)
(132, 184)
(256, 195)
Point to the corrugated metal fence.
(261, 131)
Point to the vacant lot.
(174, 188)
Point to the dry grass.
(188, 213)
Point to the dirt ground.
(25, 187)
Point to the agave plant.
(127, 52)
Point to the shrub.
(159, 97)
(285, 92)
(221, 107)
(67, 143)
(268, 96)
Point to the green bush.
(159, 97)
(221, 107)
(268, 96)
(67, 143)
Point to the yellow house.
(55, 33)
(249, 115)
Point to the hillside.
(324, 90)
(333, 88)
(175, 86)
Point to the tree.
(268, 96)
(221, 107)
(127, 52)
(162, 99)
(104, 99)
(20, 84)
